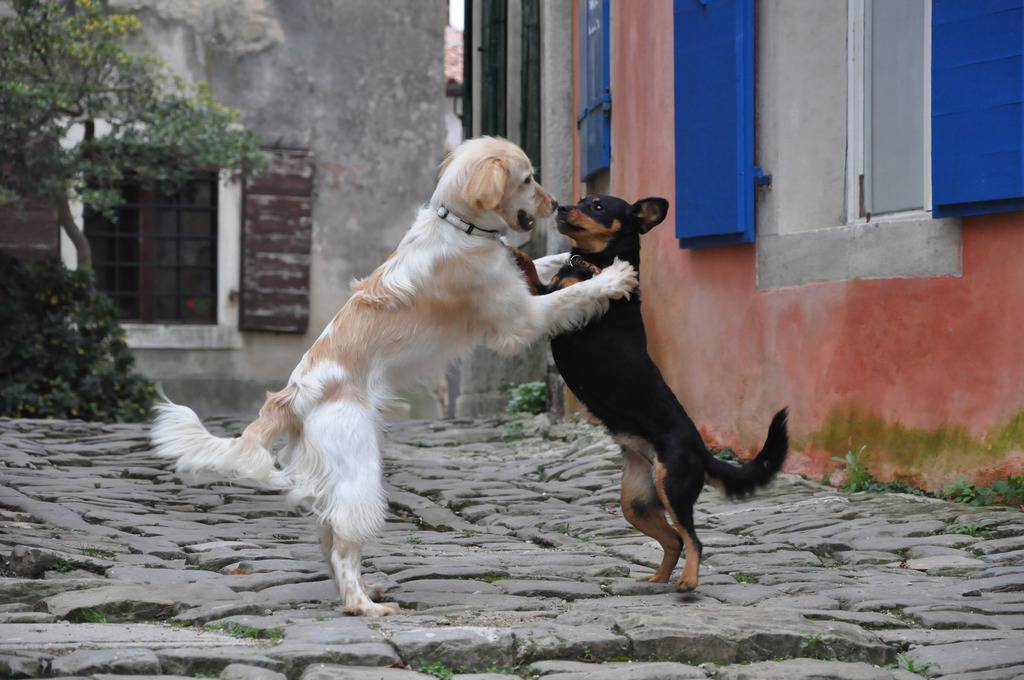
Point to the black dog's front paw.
(572, 272)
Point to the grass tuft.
(1009, 491)
(89, 615)
(858, 477)
(238, 630)
(979, 529)
(437, 669)
(531, 397)
(725, 454)
(908, 664)
(445, 672)
(491, 578)
(63, 566)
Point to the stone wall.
(360, 83)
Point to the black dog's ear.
(649, 212)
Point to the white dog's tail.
(178, 433)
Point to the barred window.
(156, 257)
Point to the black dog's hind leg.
(679, 484)
(643, 509)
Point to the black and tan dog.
(607, 367)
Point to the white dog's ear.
(486, 186)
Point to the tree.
(65, 74)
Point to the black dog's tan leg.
(678, 496)
(525, 264)
(643, 509)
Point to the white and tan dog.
(450, 284)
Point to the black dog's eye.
(598, 206)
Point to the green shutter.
(493, 66)
(530, 121)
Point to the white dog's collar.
(467, 227)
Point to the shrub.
(857, 477)
(1009, 491)
(62, 351)
(961, 491)
(531, 397)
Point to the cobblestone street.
(509, 556)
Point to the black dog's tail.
(737, 481)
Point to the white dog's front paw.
(618, 280)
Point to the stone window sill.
(168, 336)
(904, 245)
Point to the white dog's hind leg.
(346, 559)
(374, 591)
(340, 470)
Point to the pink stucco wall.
(928, 373)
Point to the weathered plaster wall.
(927, 372)
(359, 82)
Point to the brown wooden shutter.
(29, 233)
(277, 234)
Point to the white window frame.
(222, 335)
(857, 103)
(908, 244)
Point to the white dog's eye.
(529, 178)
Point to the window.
(493, 66)
(895, 106)
(156, 257)
(857, 202)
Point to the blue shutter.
(594, 120)
(977, 107)
(714, 100)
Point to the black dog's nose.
(562, 209)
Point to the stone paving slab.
(506, 549)
(65, 636)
